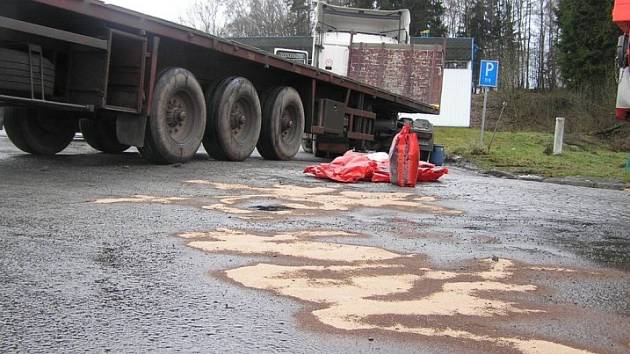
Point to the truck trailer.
(126, 79)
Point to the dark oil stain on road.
(291, 200)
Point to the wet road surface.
(108, 253)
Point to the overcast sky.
(166, 9)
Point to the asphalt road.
(108, 253)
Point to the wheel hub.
(287, 123)
(180, 116)
(238, 119)
(176, 115)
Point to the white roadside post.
(558, 141)
(488, 77)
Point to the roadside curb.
(577, 181)
(589, 183)
(566, 181)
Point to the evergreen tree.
(477, 26)
(587, 42)
(425, 15)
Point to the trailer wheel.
(38, 132)
(177, 122)
(100, 134)
(282, 124)
(234, 120)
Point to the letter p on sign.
(489, 73)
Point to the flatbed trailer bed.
(127, 79)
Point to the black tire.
(177, 119)
(38, 132)
(317, 152)
(282, 125)
(15, 73)
(234, 120)
(307, 145)
(210, 139)
(100, 134)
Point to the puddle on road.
(291, 200)
(360, 286)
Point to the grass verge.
(525, 153)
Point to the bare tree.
(246, 18)
(206, 15)
(454, 12)
(261, 18)
(542, 45)
(523, 34)
(553, 31)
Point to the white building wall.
(456, 100)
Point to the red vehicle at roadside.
(621, 16)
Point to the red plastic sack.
(381, 174)
(354, 167)
(429, 173)
(349, 168)
(403, 158)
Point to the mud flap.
(130, 129)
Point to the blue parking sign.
(489, 73)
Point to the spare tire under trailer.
(18, 67)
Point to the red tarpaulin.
(354, 167)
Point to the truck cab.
(338, 28)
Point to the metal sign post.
(483, 114)
(488, 77)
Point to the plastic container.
(403, 158)
(437, 155)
